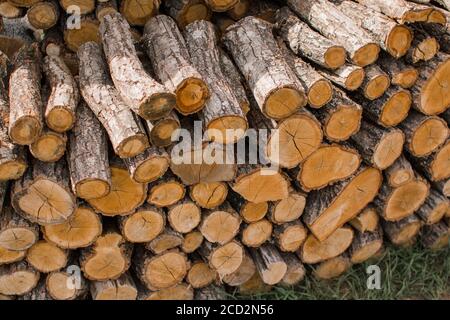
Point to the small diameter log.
(61, 284)
(390, 109)
(399, 72)
(340, 118)
(76, 35)
(222, 115)
(149, 165)
(424, 134)
(122, 288)
(83, 228)
(400, 172)
(290, 236)
(125, 196)
(332, 268)
(139, 91)
(64, 96)
(43, 193)
(367, 220)
(349, 77)
(378, 146)
(221, 5)
(209, 195)
(434, 208)
(255, 234)
(178, 292)
(9, 256)
(192, 241)
(269, 264)
(392, 37)
(167, 240)
(225, 259)
(163, 131)
(85, 6)
(365, 245)
(10, 11)
(43, 15)
(394, 204)
(243, 274)
(17, 278)
(315, 251)
(330, 208)
(200, 275)
(335, 25)
(104, 8)
(295, 272)
(124, 130)
(107, 258)
(88, 156)
(184, 216)
(171, 64)
(435, 236)
(186, 11)
(166, 191)
(239, 10)
(50, 146)
(288, 209)
(402, 232)
(435, 166)
(249, 211)
(46, 257)
(424, 47)
(16, 233)
(25, 117)
(274, 85)
(160, 271)
(144, 225)
(326, 165)
(138, 13)
(310, 44)
(375, 83)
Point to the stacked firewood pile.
(354, 94)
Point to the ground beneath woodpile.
(406, 274)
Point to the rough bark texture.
(435, 236)
(149, 165)
(269, 264)
(401, 74)
(400, 172)
(434, 208)
(349, 77)
(187, 11)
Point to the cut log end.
(46, 257)
(92, 188)
(137, 12)
(343, 123)
(184, 217)
(227, 129)
(132, 146)
(18, 279)
(165, 270)
(13, 169)
(17, 239)
(332, 268)
(10, 256)
(49, 146)
(158, 106)
(434, 97)
(43, 15)
(143, 226)
(405, 199)
(191, 96)
(366, 55)
(354, 79)
(227, 258)
(439, 166)
(320, 93)
(220, 226)
(252, 212)
(151, 169)
(334, 57)
(162, 131)
(166, 194)
(396, 108)
(388, 149)
(209, 195)
(399, 41)
(256, 233)
(25, 130)
(60, 119)
(377, 86)
(405, 78)
(88, 31)
(283, 102)
(428, 136)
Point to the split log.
(192, 241)
(434, 208)
(378, 146)
(178, 292)
(330, 208)
(144, 225)
(43, 193)
(435, 236)
(222, 115)
(322, 14)
(66, 284)
(77, 34)
(295, 270)
(25, 117)
(255, 234)
(138, 13)
(163, 132)
(149, 165)
(221, 5)
(375, 83)
(402, 232)
(85, 6)
(424, 134)
(17, 278)
(16, 233)
(43, 15)
(274, 85)
(166, 191)
(239, 10)
(306, 42)
(423, 48)
(9, 256)
(243, 274)
(435, 166)
(186, 11)
(365, 245)
(82, 230)
(367, 220)
(349, 77)
(249, 211)
(50, 146)
(269, 263)
(400, 73)
(394, 204)
(400, 172)
(122, 288)
(290, 236)
(125, 196)
(332, 268)
(184, 216)
(288, 209)
(200, 275)
(209, 195)
(124, 130)
(225, 259)
(171, 64)
(46, 257)
(167, 240)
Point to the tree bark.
(435, 236)
(269, 264)
(400, 172)
(186, 11)
(365, 245)
(137, 13)
(16, 233)
(149, 165)
(434, 208)
(400, 73)
(122, 288)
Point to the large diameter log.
(269, 264)
(365, 245)
(124, 130)
(378, 146)
(43, 193)
(435, 236)
(17, 278)
(348, 76)
(434, 208)
(308, 43)
(171, 64)
(335, 25)
(209, 195)
(16, 233)
(186, 11)
(184, 216)
(137, 13)
(222, 114)
(400, 172)
(225, 259)
(402, 232)
(274, 85)
(330, 208)
(122, 288)
(435, 166)
(367, 220)
(141, 93)
(46, 257)
(43, 15)
(149, 165)
(25, 118)
(400, 73)
(288, 209)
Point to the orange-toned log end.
(405, 78)
(355, 79)
(399, 41)
(396, 108)
(12, 170)
(221, 5)
(144, 225)
(335, 57)
(25, 130)
(366, 55)
(209, 195)
(332, 268)
(405, 199)
(440, 168)
(252, 212)
(46, 257)
(151, 169)
(132, 146)
(88, 31)
(388, 149)
(227, 258)
(178, 292)
(343, 123)
(157, 106)
(49, 146)
(191, 96)
(377, 86)
(430, 135)
(434, 95)
(227, 129)
(60, 119)
(166, 194)
(92, 188)
(9, 256)
(320, 93)
(137, 12)
(284, 102)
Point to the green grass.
(408, 273)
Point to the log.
(330, 208)
(178, 292)
(269, 264)
(335, 25)
(10, 11)
(43, 15)
(192, 241)
(435, 166)
(50, 146)
(225, 259)
(434, 208)
(288, 209)
(274, 85)
(43, 193)
(122, 288)
(295, 272)
(186, 11)
(167, 240)
(400, 172)
(402, 232)
(311, 45)
(435, 236)
(144, 225)
(16, 233)
(209, 195)
(211, 292)
(332, 268)
(442, 186)
(399, 72)
(77, 35)
(137, 13)
(349, 77)
(149, 165)
(221, 5)
(222, 116)
(102, 9)
(23, 3)
(17, 278)
(14, 33)
(171, 64)
(240, 9)
(125, 132)
(255, 234)
(264, 10)
(375, 83)
(254, 285)
(365, 245)
(164, 131)
(378, 146)
(166, 191)
(85, 6)
(9, 256)
(81, 231)
(57, 283)
(249, 211)
(367, 220)
(243, 274)
(184, 216)
(423, 48)
(200, 275)
(46, 257)
(290, 236)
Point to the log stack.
(148, 153)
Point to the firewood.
(255, 234)
(184, 216)
(171, 64)
(340, 202)
(86, 6)
(423, 48)
(442, 186)
(17, 278)
(13, 35)
(168, 239)
(124, 130)
(254, 285)
(209, 195)
(274, 85)
(186, 11)
(288, 209)
(362, 49)
(104, 8)
(200, 275)
(243, 274)
(16, 233)
(10, 256)
(240, 9)
(225, 259)
(50, 146)
(23, 3)
(39, 292)
(269, 264)
(137, 13)
(8, 10)
(290, 236)
(166, 191)
(79, 34)
(349, 77)
(311, 44)
(162, 132)
(435, 236)
(144, 225)
(400, 172)
(139, 91)
(122, 288)
(402, 232)
(212, 292)
(82, 230)
(367, 220)
(149, 165)
(435, 166)
(192, 241)
(221, 5)
(43, 15)
(178, 292)
(375, 83)
(424, 134)
(46, 257)
(43, 194)
(400, 73)
(365, 245)
(125, 196)
(332, 268)
(249, 211)
(434, 208)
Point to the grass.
(406, 273)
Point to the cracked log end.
(256, 233)
(252, 212)
(367, 220)
(17, 279)
(399, 41)
(166, 194)
(396, 108)
(17, 238)
(429, 136)
(388, 149)
(184, 216)
(227, 259)
(288, 209)
(209, 195)
(46, 257)
(283, 102)
(165, 270)
(143, 226)
(435, 97)
(191, 96)
(366, 55)
(9, 256)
